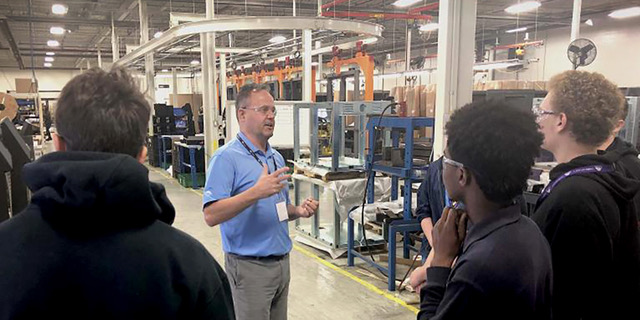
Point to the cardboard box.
(509, 84)
(493, 85)
(525, 85)
(478, 86)
(539, 85)
(413, 102)
(25, 86)
(423, 101)
(430, 104)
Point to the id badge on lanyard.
(281, 204)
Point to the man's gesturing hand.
(270, 184)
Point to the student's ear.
(465, 177)
(619, 125)
(142, 155)
(58, 142)
(562, 122)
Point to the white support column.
(223, 81)
(319, 8)
(88, 64)
(575, 21)
(306, 65)
(148, 61)
(99, 59)
(407, 57)
(294, 14)
(211, 118)
(174, 86)
(319, 68)
(456, 41)
(115, 51)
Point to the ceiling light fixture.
(48, 64)
(50, 53)
(523, 7)
(48, 59)
(625, 13)
(195, 62)
(59, 8)
(405, 3)
(589, 22)
(517, 30)
(429, 27)
(278, 39)
(53, 43)
(165, 70)
(157, 34)
(57, 30)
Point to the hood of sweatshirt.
(93, 190)
(620, 186)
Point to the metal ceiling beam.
(6, 32)
(522, 19)
(78, 21)
(257, 23)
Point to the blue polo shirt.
(256, 231)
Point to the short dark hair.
(592, 104)
(103, 112)
(497, 143)
(245, 93)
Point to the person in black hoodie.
(503, 268)
(96, 241)
(586, 212)
(626, 153)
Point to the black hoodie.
(95, 243)
(628, 163)
(590, 223)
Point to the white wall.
(618, 59)
(47, 79)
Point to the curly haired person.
(586, 212)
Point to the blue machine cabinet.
(163, 152)
(191, 164)
(407, 173)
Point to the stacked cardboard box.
(511, 85)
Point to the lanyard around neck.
(255, 156)
(582, 170)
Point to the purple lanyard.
(582, 170)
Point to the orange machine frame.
(365, 62)
(281, 74)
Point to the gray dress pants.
(259, 287)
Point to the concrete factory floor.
(321, 287)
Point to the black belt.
(264, 258)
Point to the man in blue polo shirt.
(247, 194)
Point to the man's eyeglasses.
(264, 110)
(452, 162)
(539, 113)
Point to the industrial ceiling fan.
(581, 52)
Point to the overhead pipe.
(429, 6)
(334, 3)
(376, 15)
(516, 45)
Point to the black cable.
(370, 174)
(406, 274)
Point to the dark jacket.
(95, 243)
(628, 163)
(592, 228)
(503, 272)
(431, 194)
